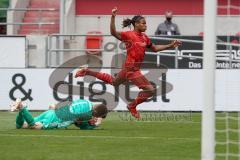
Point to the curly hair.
(127, 22)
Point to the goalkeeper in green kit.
(81, 113)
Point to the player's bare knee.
(37, 125)
(151, 90)
(25, 125)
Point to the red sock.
(142, 97)
(102, 76)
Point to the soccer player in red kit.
(136, 42)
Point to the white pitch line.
(103, 137)
(179, 122)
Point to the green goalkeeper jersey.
(66, 115)
(81, 108)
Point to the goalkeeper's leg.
(30, 120)
(25, 115)
(19, 121)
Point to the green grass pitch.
(158, 136)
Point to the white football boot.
(16, 105)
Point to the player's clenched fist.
(114, 11)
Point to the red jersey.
(136, 44)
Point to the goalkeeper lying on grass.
(82, 113)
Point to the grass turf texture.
(158, 136)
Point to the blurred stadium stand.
(84, 17)
(80, 17)
(41, 16)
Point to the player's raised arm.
(173, 44)
(112, 25)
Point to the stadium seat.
(201, 34)
(44, 26)
(37, 31)
(43, 13)
(44, 3)
(234, 41)
(43, 16)
(94, 40)
(44, 19)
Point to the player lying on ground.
(136, 43)
(82, 113)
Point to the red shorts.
(135, 76)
